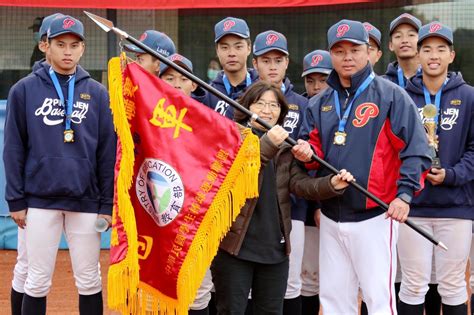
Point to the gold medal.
(429, 111)
(68, 136)
(340, 138)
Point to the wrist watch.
(405, 198)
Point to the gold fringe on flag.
(123, 276)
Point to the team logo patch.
(177, 57)
(228, 25)
(326, 108)
(316, 59)
(435, 27)
(160, 190)
(456, 102)
(342, 29)
(293, 106)
(84, 96)
(143, 37)
(363, 113)
(271, 39)
(368, 27)
(67, 23)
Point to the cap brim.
(355, 41)
(133, 48)
(67, 32)
(166, 67)
(404, 20)
(376, 40)
(421, 39)
(316, 70)
(264, 51)
(231, 33)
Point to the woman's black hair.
(253, 94)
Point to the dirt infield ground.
(63, 298)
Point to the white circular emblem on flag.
(160, 190)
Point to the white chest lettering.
(53, 112)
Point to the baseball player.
(58, 121)
(316, 68)
(20, 270)
(189, 88)
(158, 41)
(233, 46)
(271, 59)
(370, 126)
(403, 43)
(403, 39)
(444, 208)
(375, 42)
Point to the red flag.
(191, 171)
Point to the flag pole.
(108, 26)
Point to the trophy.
(429, 113)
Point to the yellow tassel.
(123, 276)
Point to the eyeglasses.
(274, 107)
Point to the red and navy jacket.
(221, 106)
(386, 147)
(455, 197)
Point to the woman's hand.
(341, 180)
(277, 135)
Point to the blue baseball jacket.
(221, 106)
(294, 118)
(386, 147)
(392, 73)
(455, 197)
(41, 170)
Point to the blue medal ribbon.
(70, 96)
(228, 87)
(343, 119)
(437, 101)
(401, 77)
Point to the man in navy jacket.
(233, 46)
(403, 39)
(59, 162)
(370, 126)
(445, 206)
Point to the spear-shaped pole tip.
(104, 24)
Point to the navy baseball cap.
(374, 33)
(231, 26)
(318, 61)
(268, 41)
(47, 23)
(405, 18)
(66, 25)
(347, 30)
(158, 41)
(178, 59)
(435, 29)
